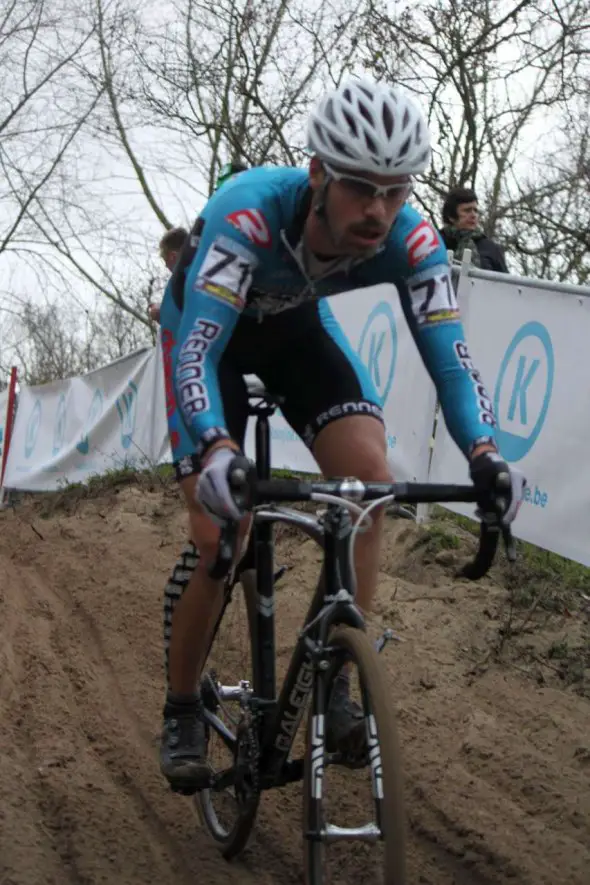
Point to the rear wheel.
(349, 850)
(229, 813)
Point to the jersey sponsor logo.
(362, 407)
(443, 316)
(252, 223)
(174, 437)
(434, 300)
(168, 343)
(421, 242)
(223, 294)
(226, 274)
(486, 409)
(190, 371)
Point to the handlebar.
(253, 492)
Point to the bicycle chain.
(248, 742)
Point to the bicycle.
(262, 728)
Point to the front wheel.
(378, 852)
(229, 813)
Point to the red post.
(9, 421)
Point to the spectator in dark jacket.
(461, 231)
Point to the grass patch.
(70, 494)
(536, 574)
(545, 594)
(149, 479)
(571, 661)
(435, 538)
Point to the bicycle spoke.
(228, 808)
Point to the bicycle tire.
(359, 649)
(233, 842)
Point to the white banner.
(70, 430)
(116, 416)
(529, 340)
(3, 416)
(531, 346)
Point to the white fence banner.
(3, 416)
(530, 343)
(70, 430)
(528, 338)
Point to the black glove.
(500, 487)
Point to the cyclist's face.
(360, 217)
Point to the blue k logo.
(523, 390)
(378, 348)
(127, 409)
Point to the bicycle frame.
(278, 719)
(332, 603)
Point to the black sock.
(342, 684)
(181, 704)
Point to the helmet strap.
(320, 206)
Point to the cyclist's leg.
(332, 404)
(193, 613)
(175, 587)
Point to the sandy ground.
(497, 763)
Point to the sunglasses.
(364, 189)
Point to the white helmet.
(370, 127)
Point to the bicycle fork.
(319, 829)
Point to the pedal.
(188, 787)
(386, 637)
(184, 789)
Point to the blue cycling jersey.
(250, 259)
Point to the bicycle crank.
(385, 637)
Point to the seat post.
(262, 440)
(261, 405)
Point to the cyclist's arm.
(432, 312)
(215, 290)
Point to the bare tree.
(41, 44)
(548, 222)
(220, 81)
(49, 343)
(493, 77)
(119, 113)
(166, 116)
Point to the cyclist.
(272, 244)
(176, 247)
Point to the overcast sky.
(110, 196)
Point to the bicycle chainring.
(247, 758)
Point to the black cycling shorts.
(301, 355)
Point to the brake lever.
(489, 535)
(509, 543)
(241, 477)
(242, 480)
(226, 549)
